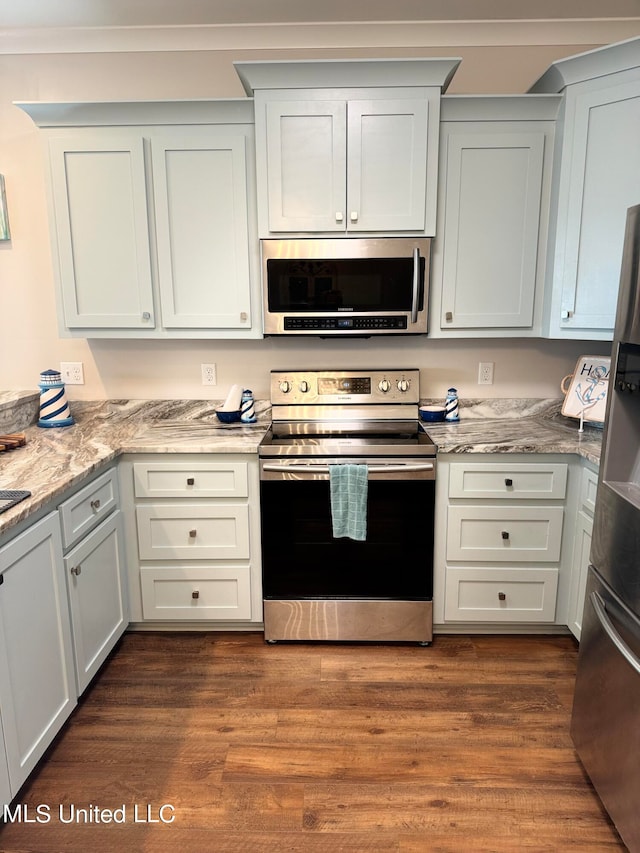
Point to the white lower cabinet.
(197, 532)
(95, 577)
(194, 592)
(37, 684)
(581, 549)
(92, 538)
(501, 595)
(500, 546)
(5, 784)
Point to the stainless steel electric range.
(317, 586)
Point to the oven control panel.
(345, 387)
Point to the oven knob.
(285, 386)
(304, 386)
(384, 385)
(403, 385)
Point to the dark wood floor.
(463, 746)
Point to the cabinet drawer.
(87, 507)
(504, 533)
(181, 480)
(219, 592)
(535, 481)
(588, 489)
(501, 595)
(169, 532)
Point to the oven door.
(302, 560)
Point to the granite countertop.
(516, 426)
(58, 458)
(55, 460)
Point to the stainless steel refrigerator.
(605, 724)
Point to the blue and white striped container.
(54, 409)
(451, 411)
(248, 408)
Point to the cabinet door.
(37, 687)
(387, 165)
(601, 169)
(5, 786)
(579, 572)
(200, 195)
(492, 204)
(306, 164)
(102, 231)
(95, 579)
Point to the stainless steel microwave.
(346, 287)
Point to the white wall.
(29, 341)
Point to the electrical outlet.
(72, 372)
(485, 373)
(209, 376)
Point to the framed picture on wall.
(5, 234)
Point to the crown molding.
(396, 34)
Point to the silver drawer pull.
(76, 570)
(195, 593)
(95, 505)
(505, 534)
(193, 533)
(502, 596)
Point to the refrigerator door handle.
(601, 612)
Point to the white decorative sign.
(586, 395)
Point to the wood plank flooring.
(463, 746)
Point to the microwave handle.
(416, 285)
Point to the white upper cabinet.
(346, 166)
(200, 198)
(493, 203)
(597, 177)
(102, 230)
(153, 218)
(347, 147)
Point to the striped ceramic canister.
(54, 409)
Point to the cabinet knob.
(449, 316)
(566, 315)
(195, 593)
(193, 533)
(505, 534)
(502, 596)
(339, 216)
(190, 481)
(76, 570)
(354, 216)
(243, 316)
(146, 316)
(508, 481)
(95, 505)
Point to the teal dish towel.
(349, 484)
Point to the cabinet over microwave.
(346, 287)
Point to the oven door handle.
(416, 283)
(324, 469)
